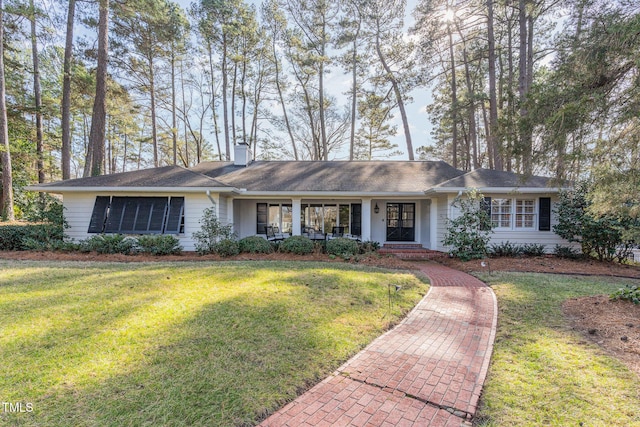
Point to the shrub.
(505, 249)
(565, 252)
(342, 247)
(227, 247)
(211, 232)
(110, 244)
(602, 236)
(468, 234)
(368, 246)
(533, 249)
(29, 236)
(297, 245)
(255, 245)
(628, 293)
(161, 244)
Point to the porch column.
(296, 212)
(366, 220)
(433, 223)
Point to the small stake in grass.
(397, 288)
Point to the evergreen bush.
(211, 232)
(160, 244)
(468, 234)
(297, 245)
(227, 248)
(342, 247)
(255, 245)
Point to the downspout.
(213, 202)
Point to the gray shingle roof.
(487, 178)
(306, 176)
(167, 176)
(355, 176)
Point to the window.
(525, 213)
(323, 218)
(280, 216)
(320, 217)
(501, 213)
(137, 215)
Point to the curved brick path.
(427, 371)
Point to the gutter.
(65, 189)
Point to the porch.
(366, 219)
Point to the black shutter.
(158, 214)
(262, 218)
(131, 210)
(544, 214)
(144, 214)
(115, 214)
(356, 219)
(99, 214)
(174, 217)
(486, 205)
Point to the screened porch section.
(316, 219)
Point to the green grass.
(181, 343)
(544, 374)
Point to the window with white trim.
(501, 213)
(525, 213)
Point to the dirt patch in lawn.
(613, 325)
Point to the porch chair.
(335, 233)
(274, 234)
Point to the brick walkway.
(427, 371)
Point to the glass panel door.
(401, 222)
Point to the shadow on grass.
(225, 350)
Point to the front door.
(401, 222)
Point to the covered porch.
(367, 219)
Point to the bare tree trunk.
(98, 118)
(323, 130)
(66, 94)
(472, 136)
(281, 96)
(354, 88)
(184, 118)
(398, 94)
(492, 137)
(213, 109)
(523, 84)
(37, 95)
(6, 205)
(225, 85)
(154, 123)
(233, 104)
(454, 102)
(174, 120)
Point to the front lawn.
(543, 373)
(88, 344)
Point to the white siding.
(79, 207)
(514, 235)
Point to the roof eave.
(112, 189)
(499, 190)
(351, 194)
